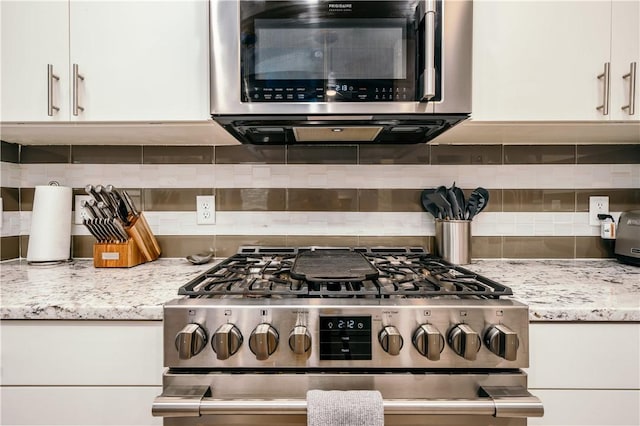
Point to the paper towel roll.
(50, 236)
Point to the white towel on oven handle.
(344, 408)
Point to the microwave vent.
(337, 133)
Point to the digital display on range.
(345, 338)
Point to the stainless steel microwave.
(386, 71)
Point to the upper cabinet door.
(140, 60)
(539, 60)
(625, 50)
(35, 34)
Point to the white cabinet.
(540, 60)
(80, 372)
(142, 60)
(33, 36)
(625, 50)
(139, 60)
(586, 374)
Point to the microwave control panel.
(338, 92)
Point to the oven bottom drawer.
(409, 398)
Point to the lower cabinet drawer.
(566, 355)
(79, 405)
(571, 407)
(96, 353)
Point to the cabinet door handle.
(429, 76)
(76, 76)
(631, 75)
(605, 98)
(50, 77)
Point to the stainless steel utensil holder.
(453, 241)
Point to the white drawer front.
(584, 355)
(78, 406)
(81, 352)
(587, 407)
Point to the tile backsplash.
(335, 194)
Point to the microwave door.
(368, 56)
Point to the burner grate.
(266, 272)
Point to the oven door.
(409, 398)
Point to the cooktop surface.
(340, 272)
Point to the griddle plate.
(333, 265)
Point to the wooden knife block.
(141, 247)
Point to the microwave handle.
(429, 74)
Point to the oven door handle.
(498, 401)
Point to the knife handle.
(105, 197)
(106, 210)
(131, 207)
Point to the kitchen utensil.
(456, 212)
(442, 190)
(93, 208)
(472, 205)
(117, 203)
(113, 235)
(90, 189)
(477, 202)
(484, 199)
(87, 223)
(131, 207)
(123, 214)
(118, 229)
(462, 204)
(104, 197)
(440, 200)
(105, 209)
(429, 205)
(200, 258)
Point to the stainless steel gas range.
(253, 334)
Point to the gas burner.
(337, 272)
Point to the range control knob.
(428, 341)
(226, 341)
(391, 340)
(464, 341)
(190, 341)
(263, 341)
(300, 340)
(502, 341)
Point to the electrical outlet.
(597, 205)
(80, 212)
(205, 209)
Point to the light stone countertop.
(555, 290)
